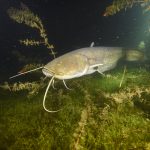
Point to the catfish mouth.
(47, 72)
(61, 76)
(51, 73)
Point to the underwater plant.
(95, 117)
(26, 16)
(118, 5)
(106, 112)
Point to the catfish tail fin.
(134, 55)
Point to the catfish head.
(67, 66)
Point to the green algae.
(90, 118)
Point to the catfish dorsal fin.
(92, 44)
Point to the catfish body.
(83, 61)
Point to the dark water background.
(70, 25)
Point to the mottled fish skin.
(106, 56)
(83, 61)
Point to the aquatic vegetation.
(97, 113)
(26, 16)
(141, 45)
(118, 5)
(93, 116)
(129, 93)
(32, 88)
(80, 132)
